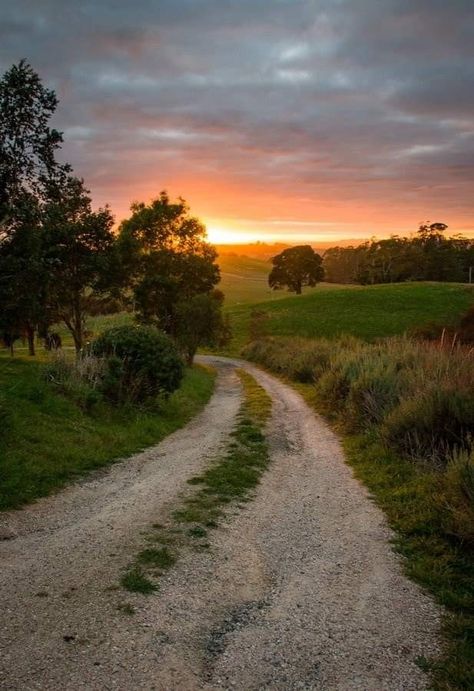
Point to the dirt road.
(300, 589)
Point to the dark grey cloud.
(346, 103)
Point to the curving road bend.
(300, 590)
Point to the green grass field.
(367, 312)
(244, 280)
(47, 439)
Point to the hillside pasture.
(367, 312)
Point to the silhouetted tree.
(80, 255)
(296, 267)
(164, 250)
(27, 144)
(28, 171)
(200, 322)
(428, 256)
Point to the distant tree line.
(428, 256)
(60, 260)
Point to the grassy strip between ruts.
(48, 439)
(231, 478)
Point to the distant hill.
(264, 250)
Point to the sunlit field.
(368, 312)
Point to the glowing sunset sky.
(275, 119)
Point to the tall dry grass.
(416, 397)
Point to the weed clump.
(136, 581)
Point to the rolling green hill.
(327, 310)
(245, 280)
(367, 312)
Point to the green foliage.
(296, 267)
(419, 398)
(80, 381)
(365, 312)
(49, 438)
(141, 363)
(165, 252)
(79, 248)
(429, 256)
(162, 558)
(460, 330)
(56, 254)
(200, 322)
(27, 144)
(135, 581)
(456, 497)
(427, 492)
(430, 424)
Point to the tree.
(296, 267)
(28, 169)
(165, 252)
(200, 322)
(80, 255)
(22, 283)
(27, 144)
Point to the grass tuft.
(162, 558)
(136, 581)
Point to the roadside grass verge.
(405, 411)
(48, 439)
(229, 480)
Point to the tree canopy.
(168, 259)
(296, 267)
(427, 256)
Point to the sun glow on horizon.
(219, 235)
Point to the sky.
(295, 120)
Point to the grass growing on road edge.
(47, 439)
(231, 478)
(408, 497)
(417, 501)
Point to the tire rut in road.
(301, 589)
(60, 625)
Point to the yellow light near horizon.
(225, 236)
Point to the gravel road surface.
(300, 589)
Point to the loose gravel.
(300, 589)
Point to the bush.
(140, 364)
(372, 395)
(431, 425)
(419, 397)
(298, 359)
(80, 381)
(456, 497)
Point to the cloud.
(363, 109)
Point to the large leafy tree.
(28, 144)
(296, 267)
(200, 322)
(28, 172)
(80, 254)
(165, 252)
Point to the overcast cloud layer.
(335, 117)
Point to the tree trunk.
(30, 333)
